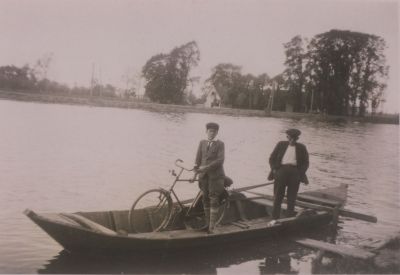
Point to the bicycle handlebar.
(177, 163)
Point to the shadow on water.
(275, 255)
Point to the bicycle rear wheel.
(151, 211)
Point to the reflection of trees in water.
(276, 255)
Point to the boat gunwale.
(139, 236)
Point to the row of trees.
(238, 90)
(336, 72)
(168, 80)
(34, 79)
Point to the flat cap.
(293, 132)
(212, 125)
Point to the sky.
(113, 38)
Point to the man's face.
(211, 133)
(291, 139)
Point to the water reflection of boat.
(276, 264)
(247, 218)
(270, 255)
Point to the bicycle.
(154, 210)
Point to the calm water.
(77, 158)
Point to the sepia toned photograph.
(199, 137)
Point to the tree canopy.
(338, 72)
(167, 75)
(294, 73)
(15, 78)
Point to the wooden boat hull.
(247, 219)
(73, 238)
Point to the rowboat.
(248, 217)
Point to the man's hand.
(201, 169)
(194, 178)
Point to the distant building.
(212, 97)
(213, 100)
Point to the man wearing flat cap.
(209, 166)
(289, 163)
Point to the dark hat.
(293, 133)
(212, 125)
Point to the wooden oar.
(252, 187)
(338, 249)
(242, 189)
(321, 201)
(342, 212)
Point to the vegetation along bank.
(133, 104)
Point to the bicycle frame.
(177, 179)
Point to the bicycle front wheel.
(151, 211)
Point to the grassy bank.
(130, 104)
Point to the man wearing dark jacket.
(209, 166)
(289, 163)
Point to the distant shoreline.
(130, 104)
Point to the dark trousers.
(286, 178)
(212, 189)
